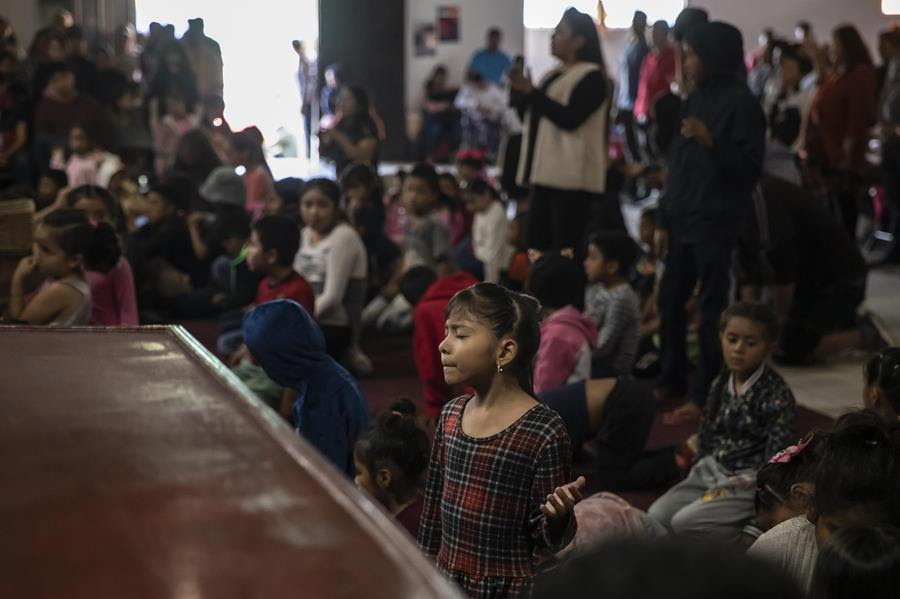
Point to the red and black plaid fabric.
(482, 522)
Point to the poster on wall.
(448, 23)
(424, 39)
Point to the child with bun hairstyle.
(390, 460)
(65, 243)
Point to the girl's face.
(418, 196)
(96, 210)
(744, 346)
(563, 43)
(357, 197)
(469, 349)
(49, 255)
(317, 211)
(78, 141)
(790, 71)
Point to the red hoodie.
(429, 332)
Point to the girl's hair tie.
(788, 453)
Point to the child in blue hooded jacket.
(329, 410)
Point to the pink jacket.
(113, 296)
(567, 338)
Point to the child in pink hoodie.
(567, 336)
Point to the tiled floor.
(836, 387)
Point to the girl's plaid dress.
(482, 522)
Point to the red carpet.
(395, 376)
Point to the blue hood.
(330, 411)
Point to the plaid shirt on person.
(482, 522)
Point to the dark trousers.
(559, 218)
(632, 144)
(337, 340)
(625, 425)
(707, 263)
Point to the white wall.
(752, 16)
(476, 17)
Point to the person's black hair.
(95, 192)
(506, 313)
(478, 186)
(360, 175)
(760, 314)
(363, 105)
(55, 68)
(494, 31)
(97, 243)
(74, 33)
(289, 189)
(720, 48)
(639, 14)
(327, 187)
(556, 281)
(426, 173)
(397, 442)
(178, 190)
(858, 562)
(784, 126)
(58, 176)
(232, 224)
(281, 234)
(775, 479)
(687, 19)
(661, 25)
(616, 246)
(473, 76)
(883, 371)
(791, 51)
(195, 156)
(247, 142)
(859, 467)
(853, 47)
(665, 568)
(806, 26)
(581, 24)
(467, 159)
(415, 282)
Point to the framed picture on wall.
(448, 23)
(424, 39)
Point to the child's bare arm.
(49, 303)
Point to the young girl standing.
(498, 487)
(64, 243)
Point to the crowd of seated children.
(390, 461)
(749, 416)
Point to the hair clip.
(787, 454)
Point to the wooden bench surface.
(132, 464)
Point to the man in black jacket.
(714, 165)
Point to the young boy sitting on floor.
(274, 242)
(611, 302)
(567, 336)
(749, 417)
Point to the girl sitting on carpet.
(65, 242)
(390, 460)
(497, 491)
(749, 417)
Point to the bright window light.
(545, 14)
(890, 7)
(260, 66)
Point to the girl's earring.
(499, 367)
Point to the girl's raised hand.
(562, 501)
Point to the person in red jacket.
(430, 296)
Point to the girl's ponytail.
(104, 250)
(97, 243)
